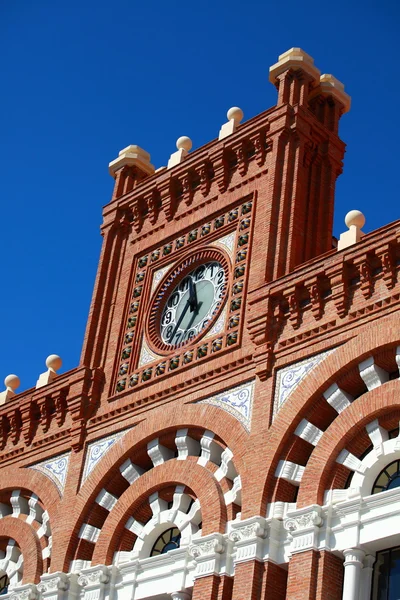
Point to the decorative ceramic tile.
(96, 450)
(56, 469)
(146, 355)
(227, 242)
(158, 275)
(218, 325)
(288, 378)
(236, 401)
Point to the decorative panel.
(97, 450)
(288, 378)
(56, 469)
(139, 361)
(237, 401)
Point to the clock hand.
(188, 326)
(192, 296)
(183, 313)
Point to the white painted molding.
(135, 526)
(372, 375)
(44, 529)
(158, 453)
(226, 468)
(89, 533)
(337, 398)
(157, 504)
(130, 471)
(289, 471)
(19, 504)
(308, 432)
(377, 435)
(106, 500)
(186, 445)
(350, 461)
(210, 450)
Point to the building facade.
(232, 429)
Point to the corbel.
(14, 418)
(221, 169)
(339, 282)
(187, 191)
(314, 290)
(24, 419)
(137, 217)
(366, 279)
(203, 172)
(292, 298)
(44, 413)
(258, 141)
(152, 205)
(59, 403)
(241, 158)
(387, 258)
(3, 431)
(168, 200)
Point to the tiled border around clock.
(131, 377)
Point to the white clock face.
(193, 303)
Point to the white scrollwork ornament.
(305, 521)
(55, 583)
(29, 593)
(94, 578)
(207, 547)
(252, 530)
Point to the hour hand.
(192, 295)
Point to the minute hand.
(193, 296)
(183, 313)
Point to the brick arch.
(200, 481)
(204, 416)
(36, 482)
(371, 339)
(346, 426)
(178, 416)
(29, 544)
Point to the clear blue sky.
(83, 79)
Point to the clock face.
(193, 303)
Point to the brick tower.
(231, 431)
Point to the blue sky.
(81, 80)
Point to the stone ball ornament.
(235, 113)
(184, 143)
(355, 218)
(53, 362)
(12, 382)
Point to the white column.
(366, 576)
(353, 564)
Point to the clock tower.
(188, 248)
(183, 326)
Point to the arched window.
(169, 540)
(388, 478)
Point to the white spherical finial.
(356, 218)
(12, 382)
(184, 143)
(235, 113)
(53, 362)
